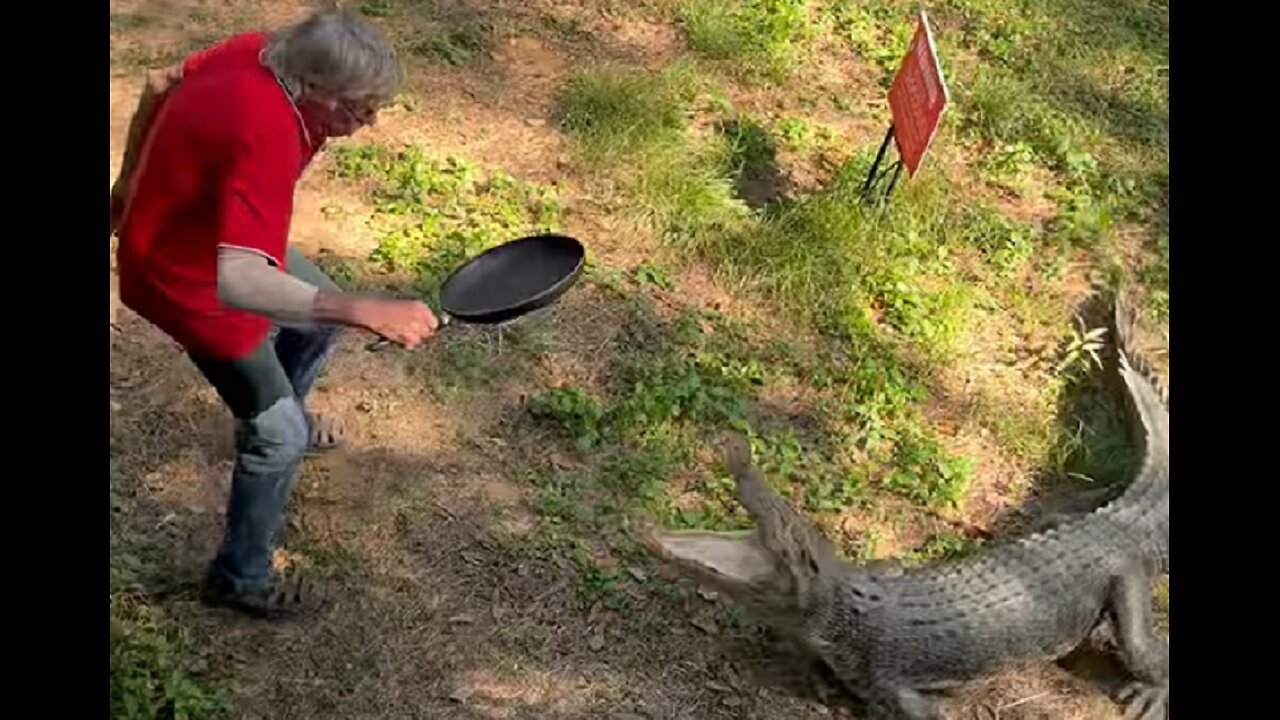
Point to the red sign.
(917, 97)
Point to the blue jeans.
(266, 392)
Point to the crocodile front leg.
(1144, 653)
(901, 703)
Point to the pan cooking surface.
(512, 276)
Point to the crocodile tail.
(1147, 395)
(1126, 323)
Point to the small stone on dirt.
(461, 695)
(463, 619)
(718, 686)
(596, 643)
(638, 574)
(705, 625)
(731, 701)
(708, 595)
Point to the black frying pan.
(508, 281)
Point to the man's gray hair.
(337, 54)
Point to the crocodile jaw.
(729, 558)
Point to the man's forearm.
(248, 281)
(338, 308)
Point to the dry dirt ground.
(440, 612)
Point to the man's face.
(338, 118)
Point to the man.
(202, 208)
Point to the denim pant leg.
(271, 441)
(305, 351)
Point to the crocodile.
(895, 636)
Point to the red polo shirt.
(218, 167)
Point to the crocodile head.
(777, 567)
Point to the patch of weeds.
(835, 492)
(578, 414)
(157, 669)
(568, 518)
(1007, 245)
(945, 545)
(828, 259)
(1160, 598)
(1155, 275)
(823, 484)
(924, 473)
(1080, 352)
(1094, 442)
(605, 277)
(1083, 218)
(377, 8)
(597, 584)
(1006, 166)
(687, 193)
(559, 501)
(878, 31)
(1003, 32)
(344, 272)
(762, 37)
(565, 26)
(705, 388)
(796, 132)
(465, 363)
(614, 113)
(648, 274)
(456, 45)
(438, 213)
(1006, 110)
(131, 21)
(679, 387)
(751, 148)
(709, 513)
(638, 476)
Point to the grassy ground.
(919, 377)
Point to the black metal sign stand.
(877, 175)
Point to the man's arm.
(157, 86)
(247, 280)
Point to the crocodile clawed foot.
(1143, 701)
(985, 711)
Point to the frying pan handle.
(384, 343)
